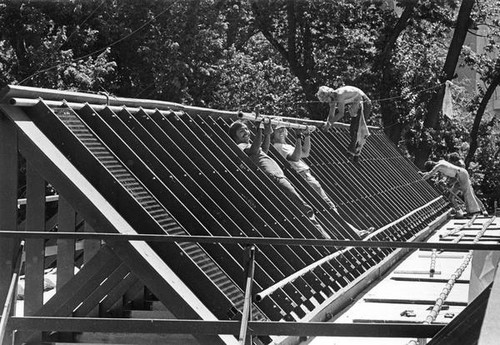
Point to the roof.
(151, 167)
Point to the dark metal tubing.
(246, 240)
(158, 326)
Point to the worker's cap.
(280, 123)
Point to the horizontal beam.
(48, 198)
(247, 240)
(120, 325)
(98, 102)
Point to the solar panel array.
(168, 172)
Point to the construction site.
(142, 222)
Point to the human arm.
(332, 117)
(306, 145)
(437, 168)
(296, 155)
(256, 143)
(266, 136)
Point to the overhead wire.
(67, 39)
(104, 48)
(385, 99)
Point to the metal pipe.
(23, 92)
(279, 121)
(292, 120)
(30, 102)
(11, 294)
(230, 327)
(163, 108)
(263, 241)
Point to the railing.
(12, 293)
(247, 327)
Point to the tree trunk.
(390, 118)
(479, 115)
(435, 104)
(305, 71)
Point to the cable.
(101, 49)
(382, 99)
(67, 39)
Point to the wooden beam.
(35, 250)
(65, 247)
(89, 203)
(76, 291)
(99, 293)
(8, 207)
(129, 284)
(8, 200)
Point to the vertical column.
(35, 248)
(8, 202)
(66, 219)
(65, 247)
(90, 248)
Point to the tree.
(393, 126)
(431, 120)
(36, 52)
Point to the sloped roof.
(166, 168)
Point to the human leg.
(359, 232)
(454, 199)
(285, 185)
(481, 205)
(358, 130)
(314, 183)
(353, 135)
(471, 204)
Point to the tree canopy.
(271, 56)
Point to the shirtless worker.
(359, 103)
(453, 171)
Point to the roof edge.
(13, 91)
(18, 91)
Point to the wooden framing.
(172, 160)
(8, 204)
(146, 265)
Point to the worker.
(294, 155)
(461, 175)
(257, 151)
(360, 109)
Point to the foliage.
(253, 83)
(260, 55)
(34, 50)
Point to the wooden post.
(65, 247)
(90, 249)
(35, 248)
(8, 203)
